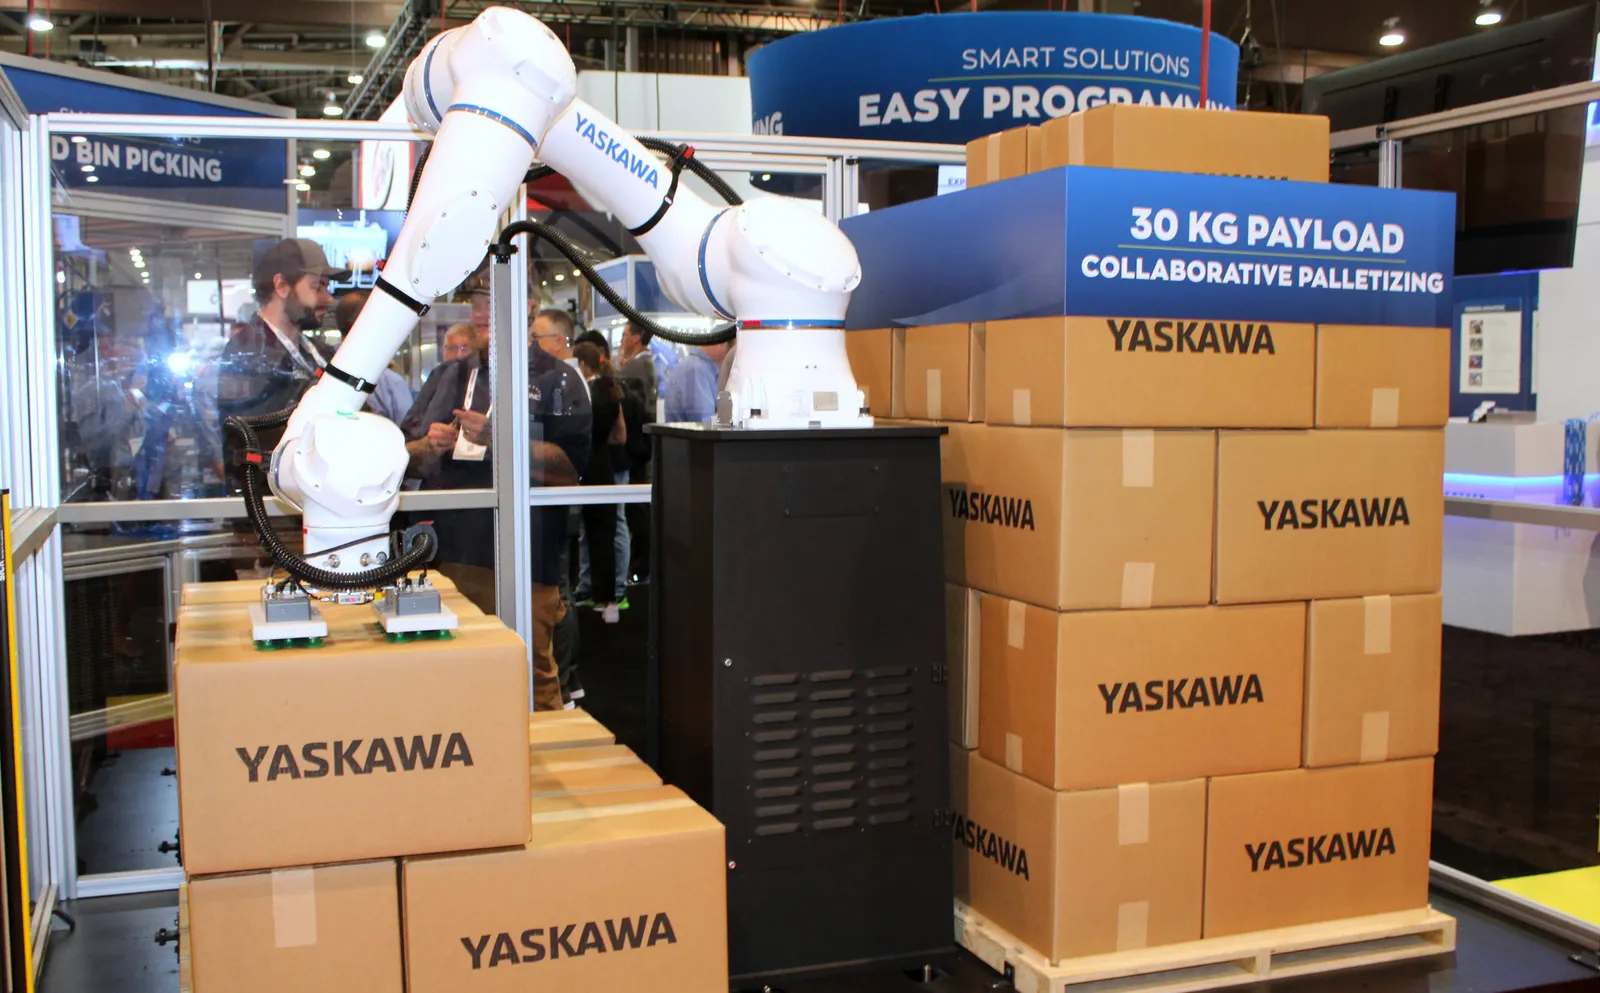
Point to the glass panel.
(1355, 166)
(1516, 183)
(120, 588)
(160, 332)
(885, 184)
(144, 313)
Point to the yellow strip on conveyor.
(1575, 891)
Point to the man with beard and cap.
(270, 363)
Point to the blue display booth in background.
(951, 78)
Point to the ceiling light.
(308, 171)
(320, 154)
(1393, 34)
(560, 277)
(333, 110)
(135, 252)
(766, 176)
(354, 79)
(91, 179)
(87, 168)
(303, 187)
(79, 139)
(1489, 16)
(374, 40)
(199, 275)
(40, 24)
(576, 274)
(138, 263)
(61, 277)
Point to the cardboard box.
(1086, 700)
(1312, 515)
(944, 377)
(997, 156)
(566, 729)
(1308, 845)
(599, 769)
(322, 929)
(962, 618)
(1372, 679)
(1175, 139)
(613, 887)
(1049, 145)
(1373, 377)
(1086, 872)
(872, 360)
(359, 749)
(1149, 373)
(1083, 519)
(957, 450)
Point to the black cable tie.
(412, 304)
(354, 382)
(679, 160)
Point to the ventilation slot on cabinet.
(831, 751)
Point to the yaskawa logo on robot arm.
(643, 168)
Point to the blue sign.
(955, 77)
(222, 172)
(1120, 243)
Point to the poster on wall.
(1491, 350)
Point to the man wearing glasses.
(269, 363)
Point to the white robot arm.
(497, 94)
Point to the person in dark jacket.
(268, 365)
(600, 520)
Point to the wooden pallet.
(1214, 963)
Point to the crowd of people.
(587, 410)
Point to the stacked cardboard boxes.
(378, 817)
(1206, 556)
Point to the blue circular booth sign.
(954, 77)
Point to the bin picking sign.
(955, 77)
(222, 172)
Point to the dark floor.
(114, 950)
(134, 809)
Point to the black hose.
(697, 167)
(416, 176)
(423, 546)
(576, 255)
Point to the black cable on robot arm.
(576, 255)
(418, 556)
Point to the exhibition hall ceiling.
(310, 50)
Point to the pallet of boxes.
(1194, 612)
(367, 816)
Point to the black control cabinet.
(799, 685)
